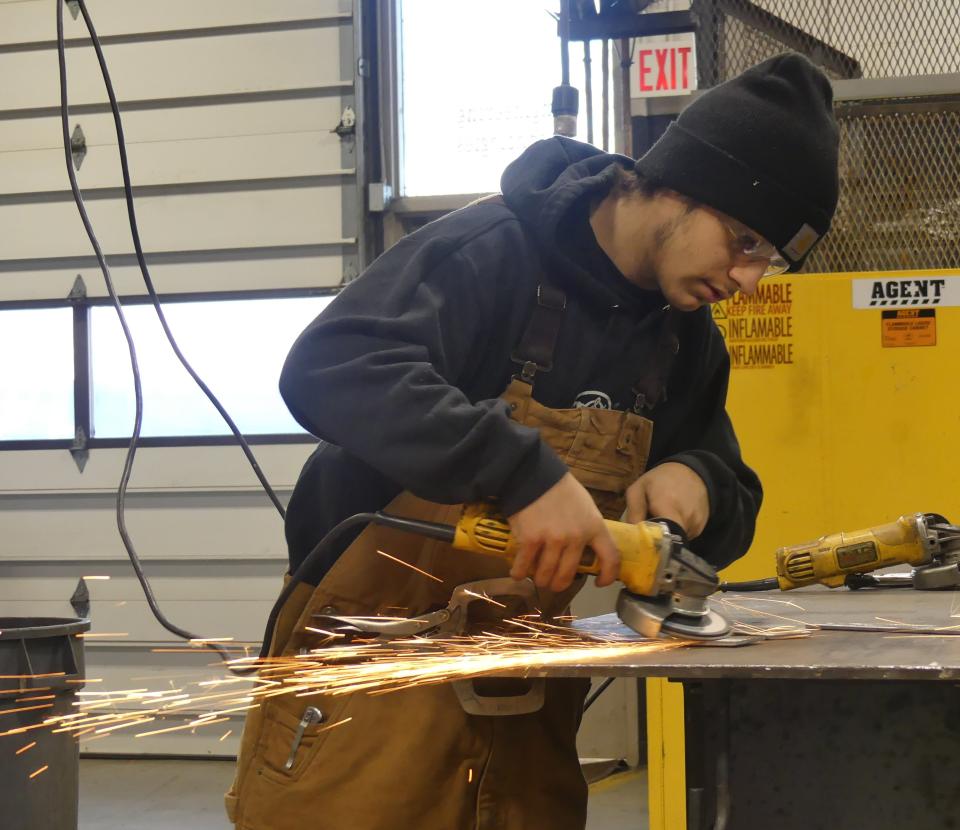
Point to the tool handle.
(641, 546)
(829, 559)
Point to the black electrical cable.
(138, 392)
(769, 584)
(594, 695)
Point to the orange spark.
(25, 747)
(412, 567)
(86, 635)
(26, 708)
(36, 772)
(483, 597)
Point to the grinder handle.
(481, 530)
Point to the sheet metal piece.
(841, 655)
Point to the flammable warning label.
(758, 329)
(909, 327)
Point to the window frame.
(404, 214)
(83, 376)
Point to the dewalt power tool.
(927, 541)
(665, 585)
(665, 588)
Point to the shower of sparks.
(939, 628)
(411, 567)
(339, 669)
(798, 627)
(742, 598)
(36, 772)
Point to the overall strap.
(534, 352)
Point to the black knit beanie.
(761, 148)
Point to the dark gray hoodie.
(400, 375)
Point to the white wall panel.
(33, 21)
(235, 218)
(157, 470)
(227, 528)
(230, 117)
(169, 69)
(304, 266)
(190, 161)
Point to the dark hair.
(630, 181)
(633, 182)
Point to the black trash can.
(41, 669)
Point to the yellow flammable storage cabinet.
(844, 399)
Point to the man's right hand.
(552, 532)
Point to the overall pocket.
(293, 731)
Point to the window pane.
(36, 374)
(236, 346)
(461, 125)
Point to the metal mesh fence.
(899, 158)
(900, 188)
(848, 38)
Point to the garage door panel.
(35, 22)
(151, 70)
(132, 621)
(235, 218)
(250, 158)
(317, 113)
(296, 267)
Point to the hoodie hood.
(544, 184)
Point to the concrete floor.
(160, 795)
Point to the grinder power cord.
(138, 394)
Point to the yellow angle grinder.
(665, 588)
(927, 541)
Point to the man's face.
(704, 256)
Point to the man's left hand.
(670, 491)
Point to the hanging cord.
(599, 691)
(104, 268)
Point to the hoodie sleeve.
(380, 374)
(707, 444)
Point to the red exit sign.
(664, 66)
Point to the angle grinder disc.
(708, 627)
(653, 617)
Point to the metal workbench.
(839, 729)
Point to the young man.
(553, 350)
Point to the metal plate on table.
(841, 655)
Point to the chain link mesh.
(899, 158)
(900, 189)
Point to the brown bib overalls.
(415, 758)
